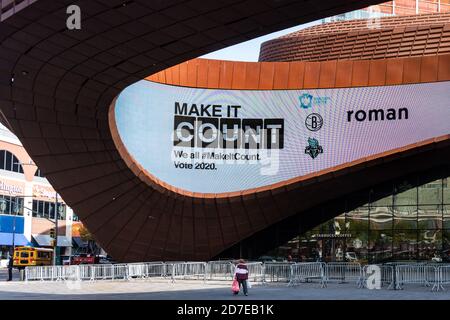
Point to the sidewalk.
(197, 290)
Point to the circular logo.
(314, 122)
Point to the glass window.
(35, 208)
(446, 244)
(46, 209)
(41, 208)
(380, 245)
(9, 162)
(2, 159)
(446, 216)
(405, 217)
(446, 190)
(405, 193)
(8, 165)
(430, 193)
(51, 210)
(429, 243)
(61, 211)
(381, 218)
(357, 221)
(430, 217)
(405, 245)
(9, 205)
(39, 173)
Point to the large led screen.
(220, 141)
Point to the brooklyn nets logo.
(313, 148)
(314, 122)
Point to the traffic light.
(53, 233)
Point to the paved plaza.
(198, 290)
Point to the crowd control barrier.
(342, 272)
(220, 270)
(277, 272)
(393, 276)
(188, 271)
(307, 272)
(422, 274)
(443, 277)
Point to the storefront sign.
(11, 188)
(44, 193)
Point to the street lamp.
(57, 211)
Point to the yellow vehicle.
(29, 256)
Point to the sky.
(249, 50)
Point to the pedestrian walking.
(10, 268)
(241, 275)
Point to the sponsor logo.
(308, 101)
(314, 122)
(313, 148)
(377, 115)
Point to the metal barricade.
(85, 272)
(155, 270)
(219, 270)
(443, 275)
(255, 271)
(393, 276)
(102, 272)
(136, 270)
(188, 270)
(342, 272)
(307, 272)
(415, 274)
(277, 272)
(120, 271)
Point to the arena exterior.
(107, 140)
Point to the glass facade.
(407, 219)
(9, 162)
(11, 205)
(45, 209)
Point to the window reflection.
(430, 243)
(407, 219)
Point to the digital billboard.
(221, 141)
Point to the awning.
(80, 242)
(6, 239)
(64, 241)
(43, 240)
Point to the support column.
(27, 211)
(69, 223)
